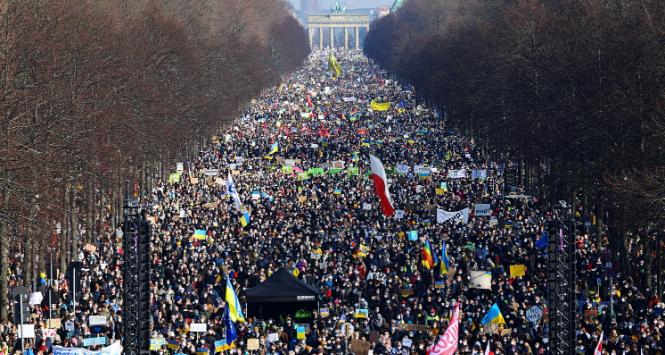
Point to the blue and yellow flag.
(200, 234)
(493, 316)
(221, 346)
(233, 305)
(274, 148)
(379, 106)
(244, 219)
(444, 263)
(231, 333)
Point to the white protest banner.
(211, 172)
(338, 164)
(26, 331)
(349, 99)
(483, 210)
(459, 216)
(479, 174)
(113, 349)
(367, 206)
(399, 214)
(457, 174)
(198, 327)
(480, 279)
(36, 298)
(179, 166)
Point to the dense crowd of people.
(298, 159)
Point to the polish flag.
(381, 186)
(447, 344)
(599, 348)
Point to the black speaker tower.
(136, 277)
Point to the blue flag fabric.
(541, 243)
(231, 333)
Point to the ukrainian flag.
(233, 305)
(274, 148)
(493, 316)
(444, 262)
(429, 259)
(379, 106)
(244, 219)
(199, 234)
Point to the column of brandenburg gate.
(349, 21)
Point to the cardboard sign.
(252, 344)
(198, 327)
(157, 343)
(26, 331)
(97, 320)
(94, 341)
(517, 270)
(49, 332)
(480, 279)
(90, 248)
(360, 347)
(534, 314)
(483, 210)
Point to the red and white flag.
(309, 101)
(447, 344)
(599, 348)
(381, 186)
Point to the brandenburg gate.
(325, 25)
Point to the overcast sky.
(351, 4)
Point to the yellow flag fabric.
(517, 270)
(380, 106)
(334, 66)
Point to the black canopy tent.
(281, 294)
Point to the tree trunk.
(4, 264)
(66, 226)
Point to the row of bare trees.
(96, 92)
(572, 89)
